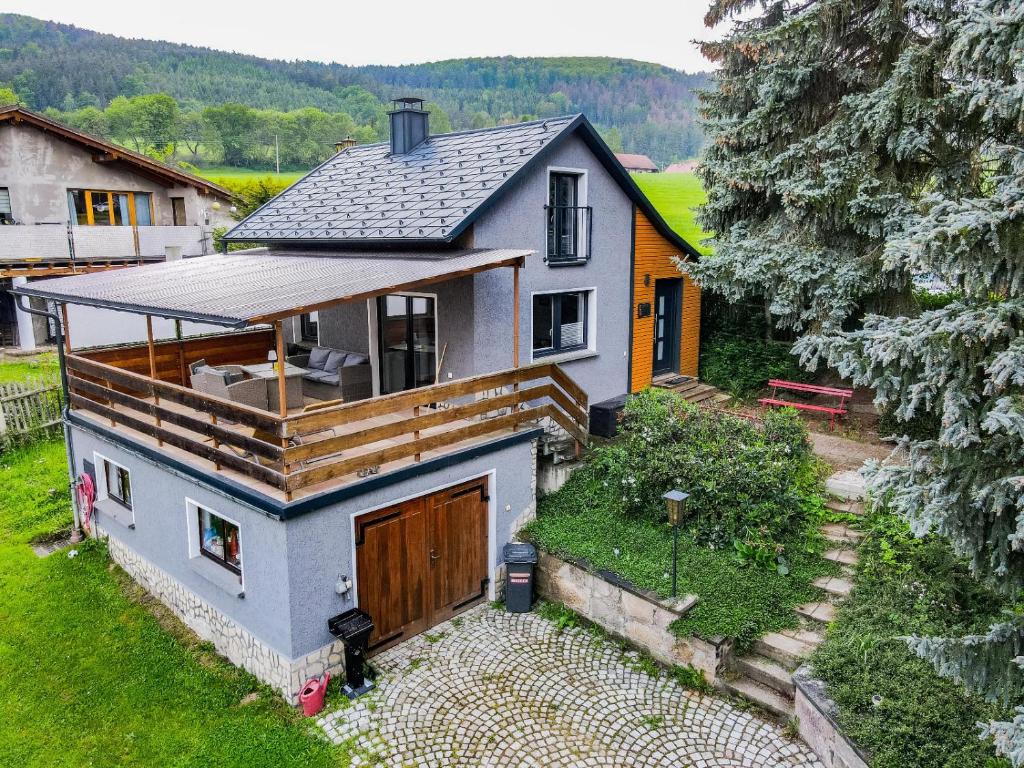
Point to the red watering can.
(312, 695)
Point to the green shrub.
(905, 586)
(742, 366)
(745, 483)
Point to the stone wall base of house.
(230, 639)
(632, 614)
(816, 713)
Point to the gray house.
(71, 203)
(423, 318)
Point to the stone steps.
(841, 534)
(767, 698)
(842, 556)
(786, 649)
(847, 485)
(821, 611)
(767, 672)
(846, 506)
(834, 585)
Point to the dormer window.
(568, 220)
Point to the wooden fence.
(29, 408)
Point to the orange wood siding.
(653, 256)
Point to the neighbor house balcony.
(316, 445)
(47, 249)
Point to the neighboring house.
(71, 202)
(636, 163)
(689, 166)
(448, 306)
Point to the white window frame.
(581, 202)
(591, 348)
(195, 554)
(114, 508)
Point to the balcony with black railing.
(569, 234)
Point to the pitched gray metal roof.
(366, 193)
(259, 285)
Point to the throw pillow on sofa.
(334, 361)
(356, 359)
(318, 358)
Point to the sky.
(403, 31)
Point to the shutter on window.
(5, 201)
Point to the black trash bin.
(353, 628)
(520, 560)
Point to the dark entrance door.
(423, 561)
(407, 342)
(668, 301)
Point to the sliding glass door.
(407, 342)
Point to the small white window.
(214, 538)
(114, 487)
(561, 322)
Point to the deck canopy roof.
(262, 285)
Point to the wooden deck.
(303, 453)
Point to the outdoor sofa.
(334, 374)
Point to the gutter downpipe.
(69, 450)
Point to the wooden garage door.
(421, 562)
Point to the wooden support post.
(282, 392)
(216, 442)
(416, 433)
(515, 341)
(67, 329)
(183, 371)
(152, 366)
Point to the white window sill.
(566, 357)
(217, 575)
(112, 511)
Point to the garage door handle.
(434, 555)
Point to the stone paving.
(498, 690)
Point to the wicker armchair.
(229, 383)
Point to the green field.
(96, 672)
(228, 177)
(675, 195)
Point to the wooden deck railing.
(294, 452)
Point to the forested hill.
(639, 107)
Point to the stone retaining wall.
(631, 614)
(816, 713)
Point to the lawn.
(96, 673)
(229, 177)
(17, 369)
(675, 195)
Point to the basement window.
(219, 540)
(6, 213)
(114, 490)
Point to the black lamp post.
(675, 501)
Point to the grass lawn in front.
(675, 195)
(19, 369)
(97, 673)
(228, 177)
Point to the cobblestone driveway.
(511, 691)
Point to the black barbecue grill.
(353, 628)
